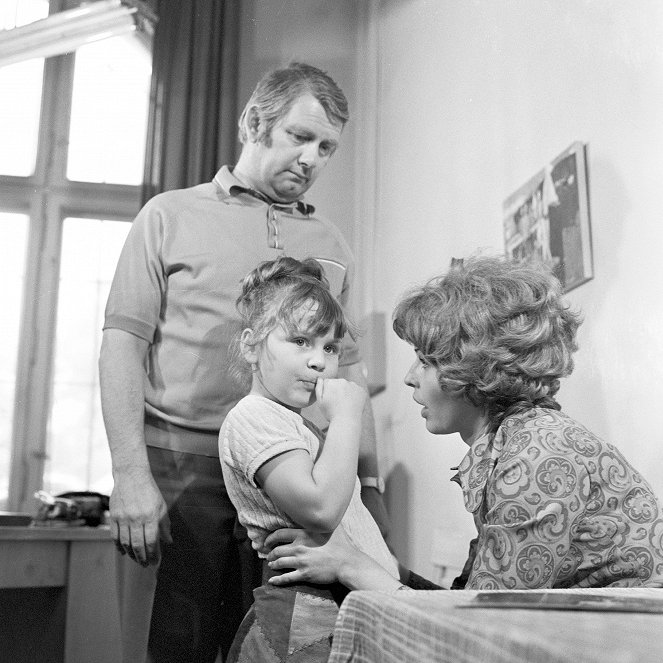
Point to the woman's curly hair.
(496, 330)
(277, 292)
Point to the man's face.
(285, 165)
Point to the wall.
(471, 98)
(475, 97)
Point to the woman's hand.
(323, 559)
(309, 557)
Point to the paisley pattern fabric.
(555, 507)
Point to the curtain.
(192, 127)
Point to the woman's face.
(445, 411)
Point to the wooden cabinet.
(58, 595)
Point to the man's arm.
(368, 457)
(137, 510)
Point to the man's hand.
(374, 502)
(139, 517)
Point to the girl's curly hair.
(276, 293)
(496, 330)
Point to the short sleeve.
(135, 298)
(349, 350)
(340, 278)
(255, 431)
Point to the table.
(58, 595)
(421, 626)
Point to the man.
(166, 354)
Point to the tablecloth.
(421, 626)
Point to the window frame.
(47, 198)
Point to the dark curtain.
(192, 127)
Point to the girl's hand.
(340, 398)
(309, 557)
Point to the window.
(77, 453)
(73, 131)
(13, 233)
(21, 93)
(110, 80)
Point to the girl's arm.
(316, 495)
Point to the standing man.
(165, 358)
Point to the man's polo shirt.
(180, 273)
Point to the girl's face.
(444, 411)
(290, 364)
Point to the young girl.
(554, 505)
(279, 469)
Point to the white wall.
(475, 97)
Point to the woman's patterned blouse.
(555, 506)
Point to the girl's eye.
(300, 342)
(332, 349)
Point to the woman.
(554, 505)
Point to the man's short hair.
(276, 92)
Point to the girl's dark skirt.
(293, 624)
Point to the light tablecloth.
(421, 626)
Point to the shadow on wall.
(607, 222)
(397, 494)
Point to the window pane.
(21, 85)
(21, 12)
(78, 456)
(13, 239)
(109, 111)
